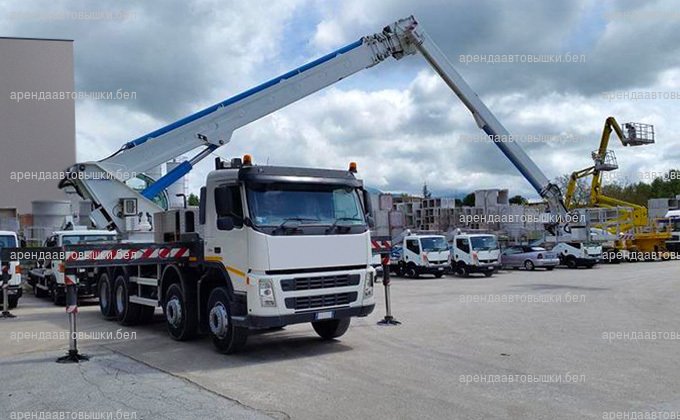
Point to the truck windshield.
(84, 239)
(484, 243)
(7, 241)
(433, 244)
(275, 204)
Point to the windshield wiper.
(335, 224)
(295, 222)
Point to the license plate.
(324, 315)
(441, 269)
(490, 268)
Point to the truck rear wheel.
(105, 291)
(180, 313)
(127, 313)
(226, 337)
(332, 328)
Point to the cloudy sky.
(397, 120)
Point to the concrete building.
(35, 135)
(492, 212)
(658, 207)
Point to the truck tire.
(181, 316)
(488, 273)
(401, 270)
(462, 270)
(571, 262)
(332, 328)
(58, 297)
(438, 275)
(105, 292)
(127, 313)
(38, 292)
(412, 271)
(226, 337)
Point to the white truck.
(475, 253)
(673, 217)
(578, 254)
(48, 278)
(240, 270)
(269, 246)
(10, 269)
(420, 253)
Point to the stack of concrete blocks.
(658, 207)
(388, 221)
(436, 214)
(492, 202)
(9, 219)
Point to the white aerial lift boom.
(119, 207)
(268, 246)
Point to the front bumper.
(433, 269)
(484, 268)
(546, 262)
(261, 322)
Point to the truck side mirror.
(368, 208)
(224, 204)
(225, 223)
(22, 243)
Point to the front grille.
(488, 261)
(438, 261)
(320, 301)
(325, 282)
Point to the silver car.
(529, 257)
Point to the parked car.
(529, 257)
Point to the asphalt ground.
(566, 344)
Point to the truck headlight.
(266, 288)
(368, 286)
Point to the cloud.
(398, 120)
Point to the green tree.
(469, 200)
(518, 199)
(193, 200)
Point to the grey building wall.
(34, 135)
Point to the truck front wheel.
(462, 270)
(332, 328)
(412, 271)
(180, 313)
(571, 262)
(226, 337)
(58, 295)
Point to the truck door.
(462, 251)
(226, 239)
(412, 251)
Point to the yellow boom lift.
(633, 230)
